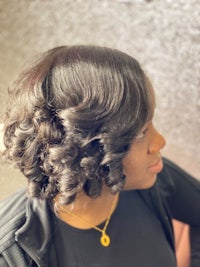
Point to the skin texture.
(143, 161)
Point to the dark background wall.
(163, 35)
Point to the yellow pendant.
(105, 240)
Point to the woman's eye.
(141, 134)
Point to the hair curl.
(71, 120)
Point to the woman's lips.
(157, 167)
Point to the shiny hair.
(72, 118)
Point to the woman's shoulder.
(12, 216)
(12, 205)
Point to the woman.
(80, 128)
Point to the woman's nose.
(157, 143)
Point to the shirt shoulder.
(12, 217)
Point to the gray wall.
(163, 35)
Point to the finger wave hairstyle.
(72, 117)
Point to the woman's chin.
(143, 185)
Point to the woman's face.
(143, 161)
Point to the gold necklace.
(104, 239)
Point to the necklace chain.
(105, 239)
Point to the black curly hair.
(71, 120)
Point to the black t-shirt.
(137, 239)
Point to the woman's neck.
(85, 212)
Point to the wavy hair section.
(72, 117)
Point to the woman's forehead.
(151, 96)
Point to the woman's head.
(72, 118)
